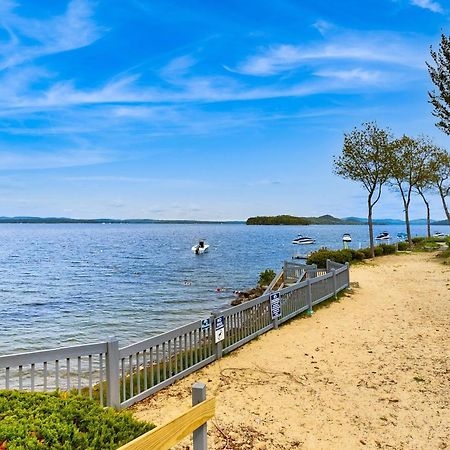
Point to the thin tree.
(423, 188)
(365, 158)
(440, 166)
(440, 76)
(408, 165)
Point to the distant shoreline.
(259, 220)
(330, 220)
(50, 220)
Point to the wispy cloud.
(431, 5)
(357, 74)
(52, 160)
(349, 46)
(323, 26)
(29, 39)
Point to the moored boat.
(346, 237)
(438, 234)
(201, 247)
(384, 236)
(303, 240)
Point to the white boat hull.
(199, 250)
(304, 242)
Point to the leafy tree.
(266, 277)
(440, 167)
(408, 166)
(440, 76)
(365, 158)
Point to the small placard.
(219, 329)
(205, 324)
(275, 305)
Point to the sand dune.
(368, 371)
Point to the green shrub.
(388, 249)
(367, 252)
(402, 246)
(320, 257)
(418, 239)
(60, 421)
(379, 250)
(359, 255)
(266, 277)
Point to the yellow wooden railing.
(192, 421)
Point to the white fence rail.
(120, 377)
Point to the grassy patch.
(62, 422)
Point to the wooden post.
(200, 436)
(333, 271)
(348, 274)
(309, 297)
(112, 373)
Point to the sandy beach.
(370, 370)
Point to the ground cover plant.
(58, 421)
(351, 255)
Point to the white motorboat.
(346, 237)
(438, 234)
(384, 236)
(303, 240)
(201, 247)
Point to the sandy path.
(369, 371)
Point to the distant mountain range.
(26, 219)
(259, 220)
(361, 220)
(330, 220)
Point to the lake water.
(67, 284)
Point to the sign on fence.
(205, 324)
(220, 329)
(275, 305)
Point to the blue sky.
(204, 109)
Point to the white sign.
(220, 329)
(275, 305)
(220, 335)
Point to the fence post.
(112, 373)
(328, 265)
(309, 297)
(333, 271)
(348, 274)
(200, 434)
(218, 347)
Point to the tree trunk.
(428, 212)
(370, 222)
(408, 226)
(444, 204)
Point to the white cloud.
(30, 39)
(358, 74)
(322, 26)
(178, 66)
(380, 47)
(431, 5)
(52, 160)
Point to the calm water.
(68, 284)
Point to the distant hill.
(294, 220)
(330, 220)
(361, 220)
(27, 219)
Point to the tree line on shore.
(375, 158)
